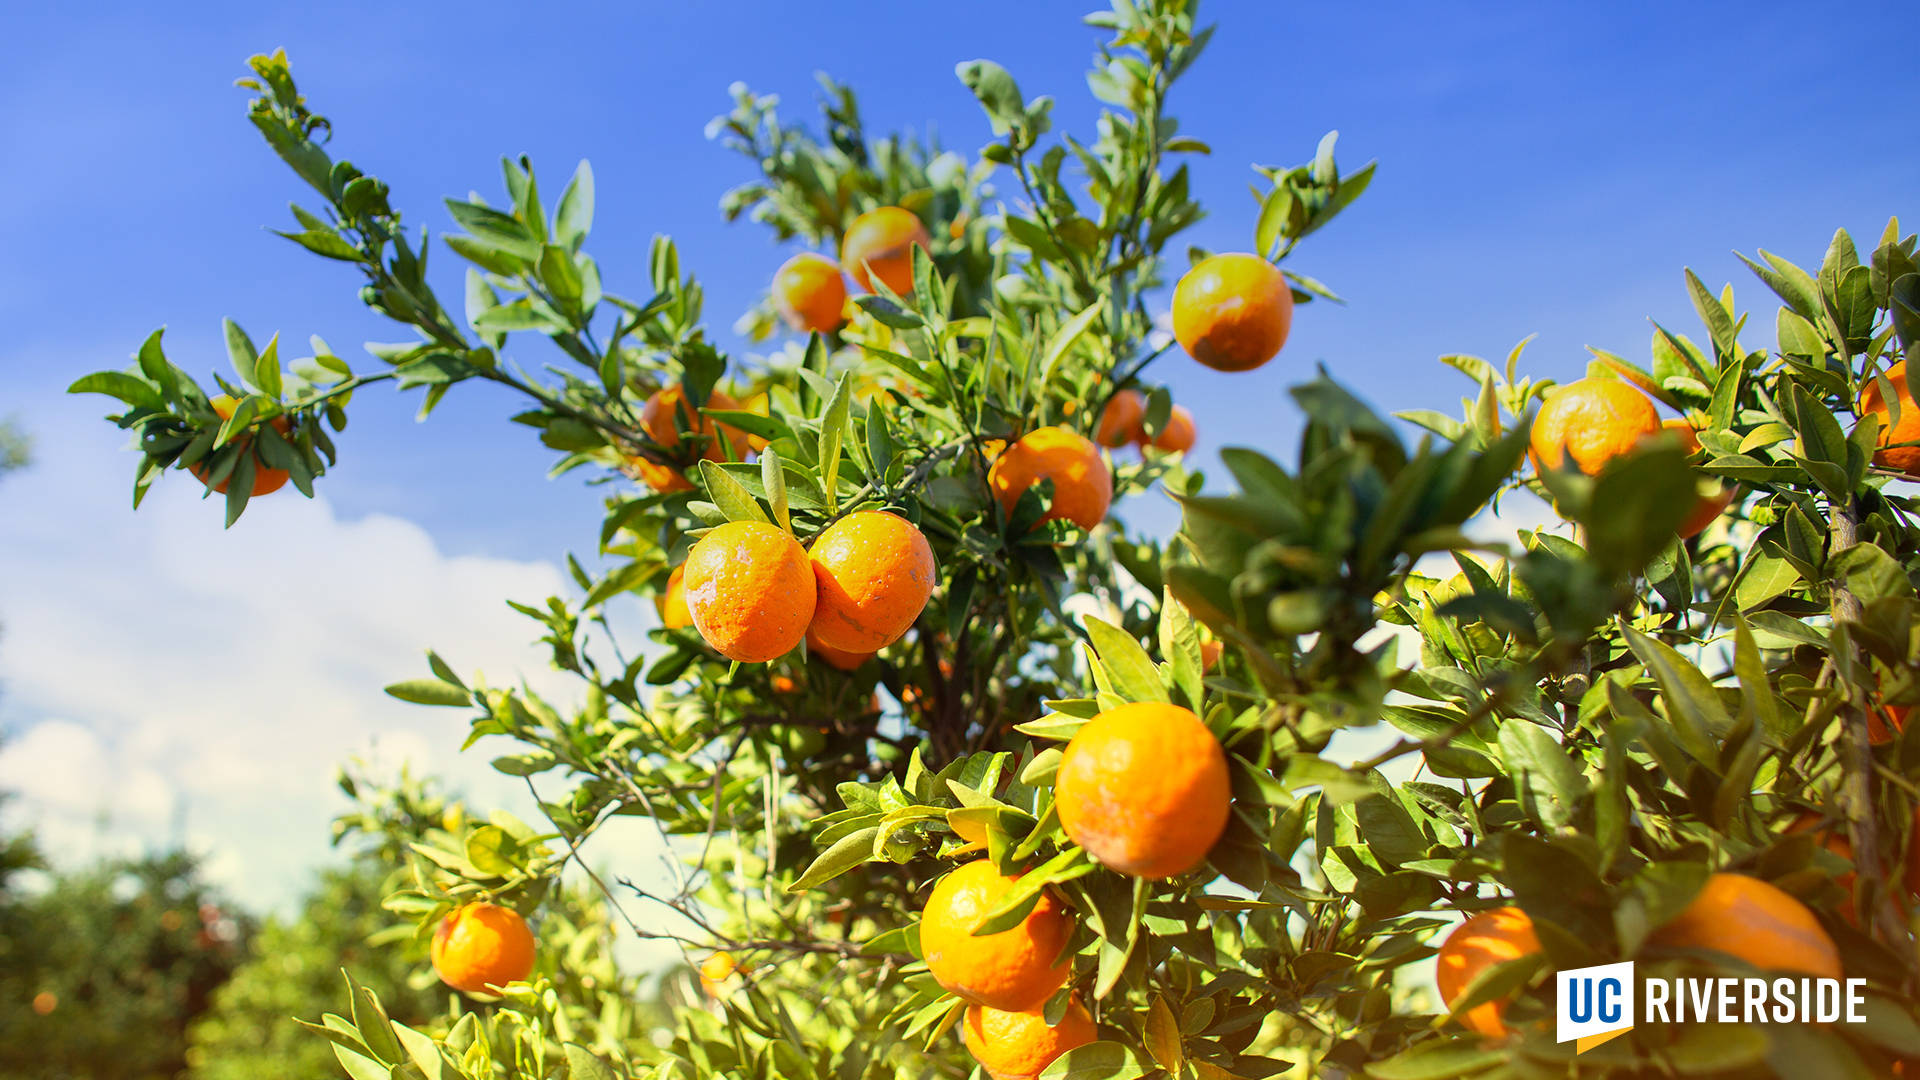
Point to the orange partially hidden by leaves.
(1754, 921)
(1120, 420)
(1015, 969)
(672, 602)
(1020, 1045)
(715, 970)
(1885, 723)
(810, 294)
(1232, 312)
(1209, 655)
(879, 246)
(1591, 421)
(1144, 788)
(1082, 484)
(1904, 459)
(1177, 436)
(750, 589)
(839, 658)
(874, 572)
(265, 481)
(1709, 507)
(662, 417)
(481, 947)
(1489, 938)
(1834, 838)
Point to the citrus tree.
(944, 756)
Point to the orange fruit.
(1754, 921)
(1018, 968)
(1120, 420)
(666, 411)
(1082, 484)
(672, 603)
(1020, 1045)
(481, 947)
(784, 684)
(810, 294)
(1886, 722)
(879, 245)
(1489, 938)
(45, 1002)
(1144, 788)
(1232, 312)
(1707, 508)
(1209, 655)
(750, 589)
(1904, 459)
(839, 658)
(715, 970)
(1592, 421)
(1177, 436)
(874, 572)
(265, 481)
(1834, 839)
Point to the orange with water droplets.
(1590, 422)
(1018, 968)
(1020, 1045)
(809, 293)
(874, 573)
(1489, 938)
(482, 947)
(879, 246)
(750, 589)
(1144, 788)
(1082, 483)
(1232, 312)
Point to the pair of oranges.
(1741, 916)
(1123, 421)
(808, 290)
(754, 593)
(1590, 422)
(1144, 789)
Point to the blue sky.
(1544, 169)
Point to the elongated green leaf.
(735, 501)
(833, 432)
(1129, 669)
(1064, 339)
(430, 692)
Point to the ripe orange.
(874, 572)
(1120, 420)
(750, 589)
(1232, 312)
(1020, 1045)
(1209, 655)
(1886, 723)
(1905, 459)
(810, 294)
(1754, 921)
(1177, 436)
(482, 946)
(265, 481)
(1591, 420)
(1082, 484)
(1144, 788)
(1489, 938)
(879, 245)
(1014, 969)
(672, 603)
(666, 411)
(1834, 839)
(1707, 508)
(45, 1002)
(715, 970)
(839, 658)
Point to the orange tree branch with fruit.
(950, 767)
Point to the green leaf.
(266, 370)
(491, 850)
(833, 431)
(575, 215)
(1129, 669)
(118, 384)
(1064, 338)
(240, 350)
(775, 482)
(997, 92)
(1098, 1061)
(1692, 704)
(430, 692)
(1438, 1059)
(582, 1064)
(735, 501)
(848, 852)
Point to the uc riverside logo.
(1596, 1004)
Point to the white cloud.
(162, 678)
